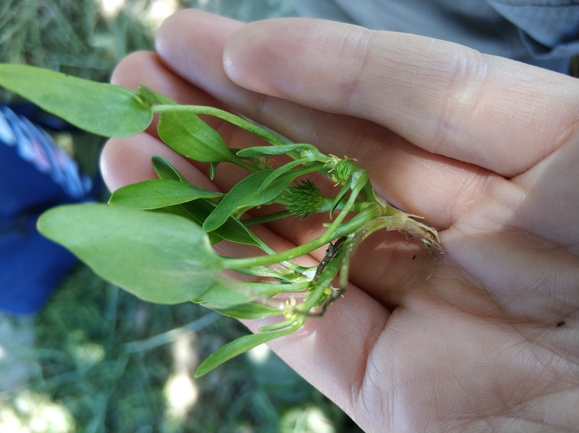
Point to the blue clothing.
(35, 174)
(544, 33)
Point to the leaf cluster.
(155, 238)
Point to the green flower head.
(340, 169)
(303, 198)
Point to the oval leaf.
(191, 137)
(156, 256)
(100, 108)
(187, 134)
(158, 193)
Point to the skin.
(486, 149)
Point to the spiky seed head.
(303, 198)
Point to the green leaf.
(158, 193)
(156, 256)
(237, 347)
(274, 150)
(275, 326)
(339, 197)
(221, 296)
(281, 171)
(165, 170)
(358, 180)
(246, 193)
(227, 293)
(180, 211)
(187, 134)
(100, 108)
(250, 311)
(212, 169)
(151, 96)
(264, 271)
(190, 136)
(232, 229)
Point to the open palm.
(487, 150)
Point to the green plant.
(154, 238)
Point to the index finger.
(443, 97)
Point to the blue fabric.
(31, 267)
(548, 28)
(35, 175)
(544, 33)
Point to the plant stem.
(359, 178)
(324, 207)
(369, 213)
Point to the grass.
(106, 361)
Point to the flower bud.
(341, 169)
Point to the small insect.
(331, 252)
(414, 257)
(560, 323)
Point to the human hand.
(486, 149)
